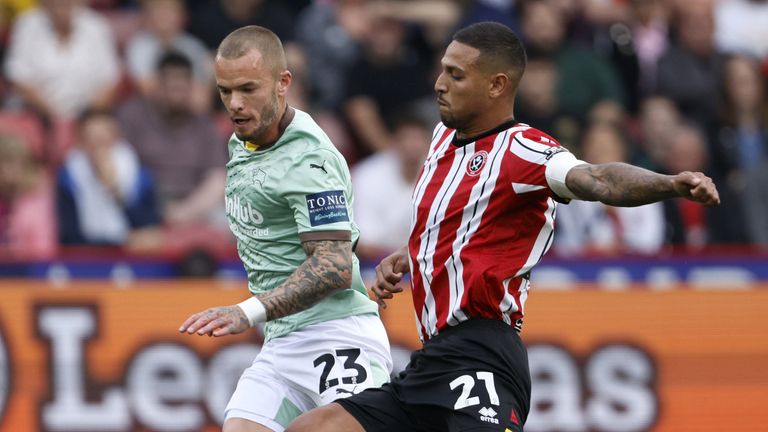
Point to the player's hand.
(218, 321)
(389, 272)
(696, 187)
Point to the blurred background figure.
(584, 80)
(104, 195)
(383, 183)
(755, 199)
(650, 30)
(164, 31)
(182, 149)
(62, 59)
(742, 140)
(740, 151)
(740, 27)
(330, 33)
(659, 118)
(389, 76)
(694, 227)
(691, 70)
(503, 11)
(537, 103)
(638, 44)
(212, 20)
(589, 228)
(27, 219)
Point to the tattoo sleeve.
(327, 269)
(619, 184)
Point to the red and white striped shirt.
(483, 216)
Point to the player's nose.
(440, 86)
(236, 102)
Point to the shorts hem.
(354, 411)
(253, 417)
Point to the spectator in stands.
(649, 23)
(537, 104)
(591, 227)
(686, 224)
(383, 183)
(62, 58)
(756, 205)
(181, 148)
(435, 20)
(212, 20)
(584, 81)
(503, 11)
(387, 78)
(694, 226)
(27, 220)
(743, 136)
(164, 31)
(634, 36)
(103, 192)
(330, 33)
(741, 148)
(692, 70)
(741, 27)
(659, 118)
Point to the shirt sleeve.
(557, 169)
(318, 190)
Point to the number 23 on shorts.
(342, 372)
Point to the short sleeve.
(317, 188)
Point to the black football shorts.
(471, 377)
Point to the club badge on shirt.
(327, 207)
(477, 162)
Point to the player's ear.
(284, 82)
(497, 85)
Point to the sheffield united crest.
(477, 162)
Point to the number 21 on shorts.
(467, 383)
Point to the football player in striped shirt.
(483, 215)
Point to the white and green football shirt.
(298, 185)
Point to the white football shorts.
(310, 367)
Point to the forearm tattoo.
(619, 184)
(327, 269)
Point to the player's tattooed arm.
(624, 185)
(327, 269)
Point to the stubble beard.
(267, 117)
(450, 121)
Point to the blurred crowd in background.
(111, 132)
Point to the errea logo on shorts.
(488, 414)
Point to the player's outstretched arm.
(388, 273)
(327, 269)
(624, 185)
